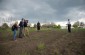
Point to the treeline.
(79, 24)
(52, 25)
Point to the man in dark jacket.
(38, 26)
(21, 24)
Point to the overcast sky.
(43, 10)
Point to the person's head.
(68, 19)
(22, 19)
(16, 23)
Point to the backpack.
(25, 24)
(12, 28)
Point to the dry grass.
(50, 42)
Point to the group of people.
(22, 27)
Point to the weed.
(82, 53)
(41, 46)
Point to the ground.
(44, 42)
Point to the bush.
(4, 26)
(57, 26)
(35, 25)
(75, 26)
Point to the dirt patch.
(56, 43)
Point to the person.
(69, 26)
(14, 29)
(38, 26)
(21, 24)
(26, 31)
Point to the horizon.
(42, 23)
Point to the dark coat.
(38, 26)
(21, 24)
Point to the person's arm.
(20, 24)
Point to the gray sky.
(41, 10)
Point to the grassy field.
(48, 41)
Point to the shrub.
(41, 46)
(4, 26)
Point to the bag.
(25, 24)
(12, 28)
